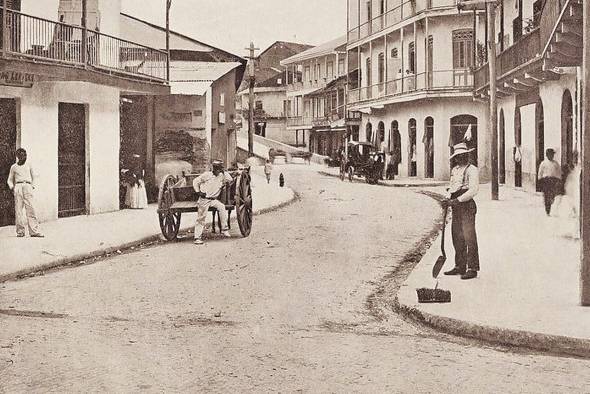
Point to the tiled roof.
(320, 50)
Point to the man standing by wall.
(549, 177)
(21, 181)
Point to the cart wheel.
(342, 171)
(350, 173)
(169, 220)
(244, 203)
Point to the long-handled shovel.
(443, 257)
(436, 294)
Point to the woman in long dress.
(566, 208)
(136, 197)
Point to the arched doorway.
(516, 151)
(395, 146)
(539, 137)
(567, 129)
(380, 137)
(412, 167)
(502, 148)
(369, 132)
(428, 147)
(464, 129)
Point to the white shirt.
(464, 177)
(549, 168)
(20, 174)
(210, 184)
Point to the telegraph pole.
(168, 5)
(252, 81)
(585, 181)
(491, 11)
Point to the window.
(368, 62)
(317, 72)
(258, 104)
(307, 73)
(394, 53)
(279, 81)
(222, 99)
(341, 67)
(463, 48)
(412, 57)
(382, 7)
(330, 70)
(381, 68)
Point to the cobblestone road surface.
(294, 307)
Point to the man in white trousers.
(21, 180)
(208, 186)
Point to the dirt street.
(303, 304)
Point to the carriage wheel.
(350, 173)
(169, 220)
(243, 200)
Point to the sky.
(232, 24)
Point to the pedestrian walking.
(208, 186)
(267, 170)
(549, 177)
(463, 186)
(21, 180)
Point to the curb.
(550, 344)
(404, 185)
(105, 252)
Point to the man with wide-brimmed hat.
(208, 186)
(549, 176)
(463, 186)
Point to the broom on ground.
(426, 295)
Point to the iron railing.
(393, 16)
(461, 79)
(299, 121)
(33, 37)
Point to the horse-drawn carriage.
(177, 196)
(362, 160)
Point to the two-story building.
(409, 67)
(60, 90)
(271, 107)
(316, 92)
(538, 86)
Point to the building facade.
(271, 107)
(316, 93)
(539, 86)
(410, 74)
(60, 93)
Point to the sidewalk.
(397, 182)
(527, 291)
(77, 238)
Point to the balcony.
(522, 52)
(394, 16)
(300, 121)
(334, 116)
(39, 40)
(457, 79)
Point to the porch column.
(402, 52)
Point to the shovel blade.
(438, 266)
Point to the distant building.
(539, 86)
(271, 106)
(316, 91)
(410, 74)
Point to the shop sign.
(15, 78)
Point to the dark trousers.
(551, 187)
(464, 236)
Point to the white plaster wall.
(507, 105)
(528, 148)
(39, 135)
(441, 111)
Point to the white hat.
(460, 149)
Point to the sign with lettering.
(15, 78)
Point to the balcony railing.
(33, 37)
(523, 51)
(461, 79)
(334, 115)
(299, 121)
(394, 16)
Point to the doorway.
(71, 160)
(428, 147)
(540, 138)
(412, 166)
(517, 154)
(502, 147)
(396, 146)
(567, 130)
(7, 158)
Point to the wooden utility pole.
(585, 181)
(491, 13)
(252, 81)
(168, 5)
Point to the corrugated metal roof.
(194, 78)
(320, 50)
